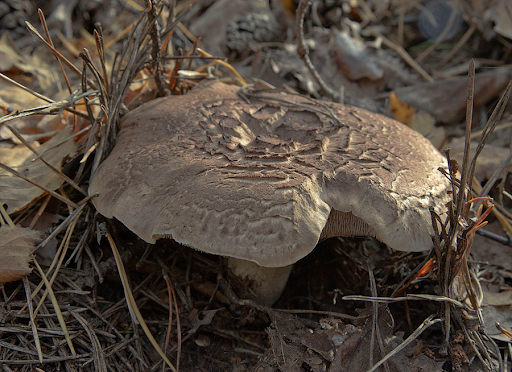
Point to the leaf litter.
(197, 301)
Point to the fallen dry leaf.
(17, 193)
(16, 247)
(419, 120)
(354, 58)
(446, 99)
(335, 346)
(497, 308)
(12, 60)
(501, 13)
(488, 161)
(401, 111)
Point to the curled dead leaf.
(16, 247)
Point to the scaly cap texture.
(257, 178)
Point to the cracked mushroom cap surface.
(263, 178)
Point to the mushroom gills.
(345, 224)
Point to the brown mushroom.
(263, 179)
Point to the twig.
(303, 52)
(413, 297)
(427, 323)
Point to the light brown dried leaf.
(16, 247)
(433, 97)
(488, 161)
(12, 60)
(18, 193)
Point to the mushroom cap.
(257, 179)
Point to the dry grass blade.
(173, 301)
(50, 41)
(59, 258)
(84, 130)
(427, 323)
(132, 304)
(62, 226)
(411, 297)
(465, 163)
(56, 307)
(58, 54)
(231, 69)
(98, 356)
(33, 325)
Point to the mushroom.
(261, 179)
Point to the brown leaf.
(419, 120)
(18, 193)
(16, 247)
(488, 161)
(335, 346)
(501, 13)
(446, 99)
(12, 60)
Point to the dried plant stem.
(56, 307)
(155, 47)
(33, 325)
(402, 53)
(132, 304)
(427, 323)
(39, 95)
(303, 52)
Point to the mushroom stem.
(265, 283)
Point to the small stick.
(427, 323)
(303, 52)
(98, 37)
(57, 53)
